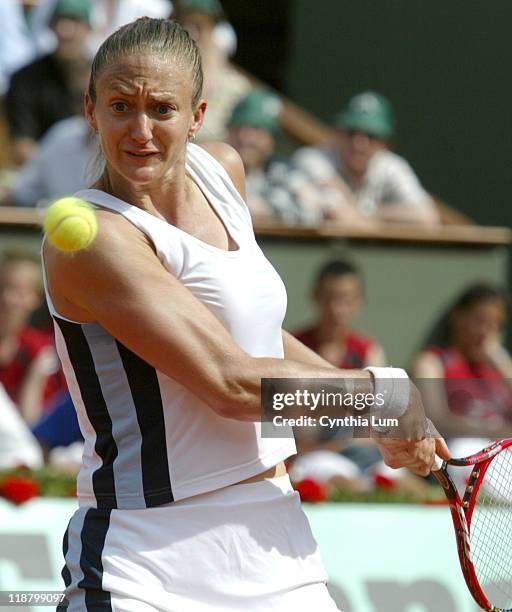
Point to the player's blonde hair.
(162, 37)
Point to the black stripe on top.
(93, 535)
(147, 400)
(90, 389)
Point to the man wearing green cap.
(381, 183)
(50, 88)
(275, 190)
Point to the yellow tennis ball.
(70, 224)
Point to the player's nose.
(141, 128)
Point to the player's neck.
(164, 199)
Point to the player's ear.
(89, 111)
(197, 119)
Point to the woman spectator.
(29, 369)
(466, 371)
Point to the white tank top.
(148, 440)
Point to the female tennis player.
(165, 327)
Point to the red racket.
(483, 523)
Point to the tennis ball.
(70, 224)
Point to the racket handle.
(437, 465)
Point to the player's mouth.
(141, 154)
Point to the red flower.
(384, 482)
(311, 490)
(19, 489)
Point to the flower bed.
(21, 484)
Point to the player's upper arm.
(120, 283)
(232, 162)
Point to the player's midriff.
(273, 472)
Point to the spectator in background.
(466, 371)
(17, 444)
(275, 189)
(360, 168)
(29, 368)
(338, 295)
(62, 164)
(223, 85)
(106, 17)
(51, 87)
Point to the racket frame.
(462, 510)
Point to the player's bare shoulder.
(115, 233)
(71, 275)
(231, 160)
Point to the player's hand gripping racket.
(483, 523)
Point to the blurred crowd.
(354, 179)
(49, 149)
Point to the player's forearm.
(239, 395)
(294, 350)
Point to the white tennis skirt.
(247, 547)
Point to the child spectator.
(338, 295)
(334, 456)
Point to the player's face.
(19, 295)
(143, 114)
(357, 148)
(254, 144)
(338, 299)
(477, 326)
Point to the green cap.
(369, 112)
(260, 108)
(77, 9)
(212, 7)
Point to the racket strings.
(491, 531)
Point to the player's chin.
(143, 175)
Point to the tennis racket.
(483, 523)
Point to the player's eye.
(119, 107)
(164, 109)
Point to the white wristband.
(393, 385)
